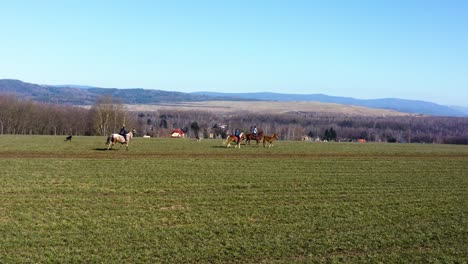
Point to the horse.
(269, 139)
(249, 137)
(233, 138)
(116, 138)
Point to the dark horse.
(249, 137)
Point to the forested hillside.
(400, 105)
(72, 95)
(85, 95)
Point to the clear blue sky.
(362, 49)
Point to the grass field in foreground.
(181, 201)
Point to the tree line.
(26, 117)
(18, 116)
(335, 127)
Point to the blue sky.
(362, 49)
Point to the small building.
(177, 133)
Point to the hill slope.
(400, 105)
(86, 95)
(461, 109)
(77, 95)
(267, 107)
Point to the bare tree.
(107, 115)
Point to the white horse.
(116, 138)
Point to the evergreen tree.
(327, 135)
(332, 134)
(195, 128)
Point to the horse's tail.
(109, 138)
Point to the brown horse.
(249, 137)
(233, 138)
(116, 138)
(269, 139)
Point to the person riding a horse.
(237, 134)
(123, 132)
(255, 132)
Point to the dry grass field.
(226, 107)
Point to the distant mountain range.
(400, 105)
(87, 95)
(462, 109)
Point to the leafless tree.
(108, 115)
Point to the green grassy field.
(181, 201)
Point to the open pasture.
(181, 201)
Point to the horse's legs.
(111, 144)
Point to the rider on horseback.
(237, 134)
(255, 132)
(123, 132)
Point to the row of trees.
(108, 115)
(28, 117)
(294, 126)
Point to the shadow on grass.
(103, 149)
(218, 146)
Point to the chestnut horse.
(269, 139)
(249, 137)
(116, 138)
(233, 138)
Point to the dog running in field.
(68, 138)
(269, 139)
